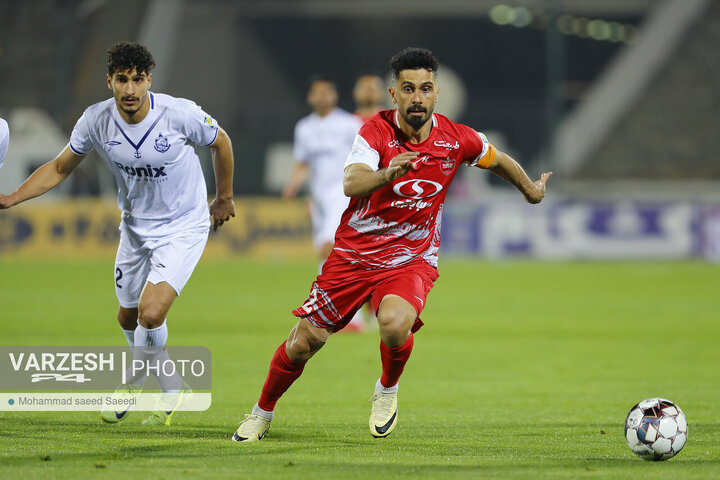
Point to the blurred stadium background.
(620, 98)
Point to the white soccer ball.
(656, 429)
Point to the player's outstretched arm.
(43, 179)
(360, 180)
(298, 176)
(222, 207)
(505, 167)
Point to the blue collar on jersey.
(139, 144)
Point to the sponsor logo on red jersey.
(417, 188)
(447, 145)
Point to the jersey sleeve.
(365, 148)
(200, 127)
(483, 154)
(300, 145)
(4, 139)
(80, 140)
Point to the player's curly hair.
(413, 58)
(128, 56)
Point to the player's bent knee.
(395, 324)
(395, 319)
(151, 316)
(304, 341)
(300, 350)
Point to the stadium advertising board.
(265, 228)
(580, 229)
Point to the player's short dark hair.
(128, 56)
(413, 58)
(321, 77)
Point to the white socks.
(157, 337)
(380, 389)
(262, 413)
(154, 337)
(130, 335)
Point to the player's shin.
(393, 362)
(283, 372)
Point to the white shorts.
(325, 216)
(169, 259)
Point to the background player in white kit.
(322, 142)
(144, 139)
(368, 94)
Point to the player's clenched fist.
(6, 201)
(538, 194)
(221, 211)
(400, 165)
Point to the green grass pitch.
(523, 370)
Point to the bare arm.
(222, 207)
(43, 179)
(297, 178)
(360, 180)
(507, 168)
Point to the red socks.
(393, 361)
(282, 374)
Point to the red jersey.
(400, 222)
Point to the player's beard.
(414, 121)
(140, 102)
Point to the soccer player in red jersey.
(397, 175)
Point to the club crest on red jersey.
(447, 166)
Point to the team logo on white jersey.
(417, 188)
(162, 144)
(112, 143)
(447, 145)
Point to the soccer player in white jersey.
(145, 139)
(322, 141)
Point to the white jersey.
(4, 139)
(324, 143)
(161, 188)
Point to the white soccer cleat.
(383, 416)
(252, 429)
(122, 394)
(166, 406)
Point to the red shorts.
(342, 289)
